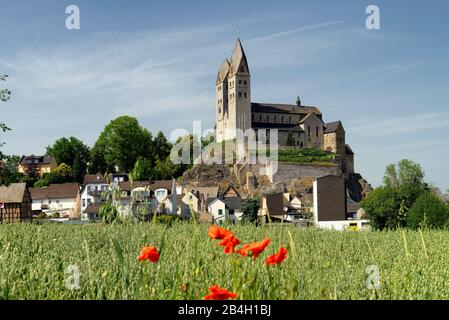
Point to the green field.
(319, 265)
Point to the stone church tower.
(233, 95)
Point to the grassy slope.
(327, 265)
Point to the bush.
(166, 219)
(428, 210)
(108, 213)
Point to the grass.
(302, 155)
(320, 264)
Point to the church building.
(297, 124)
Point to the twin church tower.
(233, 95)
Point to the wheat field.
(99, 261)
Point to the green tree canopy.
(62, 174)
(143, 170)
(382, 207)
(73, 152)
(404, 173)
(428, 210)
(250, 209)
(119, 146)
(161, 146)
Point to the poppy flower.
(217, 293)
(149, 253)
(216, 232)
(229, 242)
(277, 257)
(254, 248)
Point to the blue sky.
(157, 61)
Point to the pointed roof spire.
(238, 57)
(224, 70)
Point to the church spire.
(238, 59)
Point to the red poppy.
(217, 293)
(216, 232)
(229, 242)
(149, 253)
(254, 248)
(277, 257)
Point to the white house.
(223, 209)
(91, 195)
(61, 199)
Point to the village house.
(43, 164)
(91, 195)
(226, 207)
(57, 200)
(154, 194)
(15, 203)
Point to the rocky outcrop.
(357, 187)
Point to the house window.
(231, 212)
(240, 94)
(240, 81)
(282, 119)
(245, 95)
(301, 145)
(289, 119)
(317, 131)
(275, 118)
(160, 193)
(84, 203)
(260, 118)
(220, 212)
(244, 82)
(268, 119)
(309, 131)
(219, 110)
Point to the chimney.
(298, 102)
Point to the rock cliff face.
(357, 187)
(223, 176)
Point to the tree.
(382, 207)
(290, 141)
(250, 209)
(62, 174)
(8, 170)
(5, 175)
(428, 210)
(405, 173)
(73, 152)
(32, 170)
(143, 170)
(161, 146)
(120, 144)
